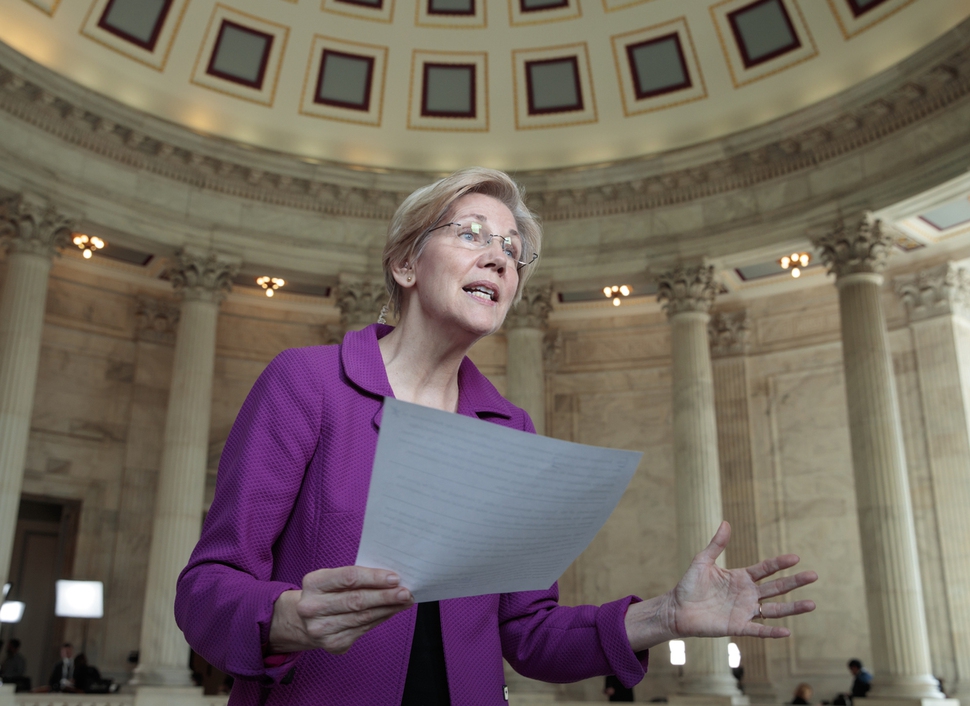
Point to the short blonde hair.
(428, 206)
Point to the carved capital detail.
(360, 302)
(201, 277)
(156, 319)
(533, 309)
(937, 291)
(854, 246)
(33, 227)
(728, 333)
(686, 288)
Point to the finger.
(768, 567)
(340, 602)
(773, 611)
(786, 584)
(347, 578)
(766, 631)
(336, 634)
(718, 542)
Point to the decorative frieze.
(855, 246)
(533, 309)
(937, 291)
(728, 333)
(206, 277)
(30, 226)
(156, 319)
(686, 288)
(360, 302)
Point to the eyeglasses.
(472, 236)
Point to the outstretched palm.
(713, 602)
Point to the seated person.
(13, 670)
(803, 694)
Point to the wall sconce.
(616, 291)
(88, 245)
(796, 261)
(270, 284)
(80, 599)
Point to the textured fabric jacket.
(290, 499)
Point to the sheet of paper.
(461, 507)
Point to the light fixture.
(797, 261)
(734, 655)
(6, 590)
(270, 284)
(678, 652)
(88, 244)
(11, 611)
(616, 291)
(79, 599)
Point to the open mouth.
(482, 292)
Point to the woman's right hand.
(335, 607)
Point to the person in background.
(862, 681)
(62, 676)
(803, 694)
(615, 690)
(14, 665)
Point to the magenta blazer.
(290, 499)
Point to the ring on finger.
(761, 613)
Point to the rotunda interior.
(784, 183)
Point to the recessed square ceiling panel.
(374, 10)
(761, 38)
(137, 21)
(553, 87)
(657, 67)
(344, 81)
(528, 12)
(855, 16)
(451, 7)
(950, 214)
(143, 30)
(763, 31)
(241, 55)
(448, 91)
(456, 14)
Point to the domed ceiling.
(438, 84)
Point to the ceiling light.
(797, 261)
(617, 291)
(88, 244)
(270, 284)
(11, 611)
(79, 599)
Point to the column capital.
(853, 246)
(156, 319)
(937, 291)
(202, 276)
(686, 288)
(533, 309)
(728, 333)
(32, 226)
(360, 302)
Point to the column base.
(6, 694)
(169, 696)
(147, 675)
(884, 700)
(914, 688)
(707, 700)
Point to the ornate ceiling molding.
(924, 86)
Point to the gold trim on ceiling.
(445, 124)
(862, 24)
(571, 11)
(384, 15)
(128, 49)
(376, 51)
(48, 8)
(549, 120)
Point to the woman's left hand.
(713, 602)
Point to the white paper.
(462, 507)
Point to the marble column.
(31, 233)
(525, 380)
(360, 303)
(686, 294)
(202, 282)
(856, 252)
(728, 334)
(937, 302)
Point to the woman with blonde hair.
(270, 594)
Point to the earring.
(409, 277)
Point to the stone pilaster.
(728, 335)
(686, 294)
(202, 282)
(936, 302)
(525, 334)
(31, 233)
(856, 253)
(360, 303)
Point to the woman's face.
(470, 289)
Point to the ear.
(401, 272)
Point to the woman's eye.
(467, 235)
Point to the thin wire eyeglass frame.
(506, 240)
